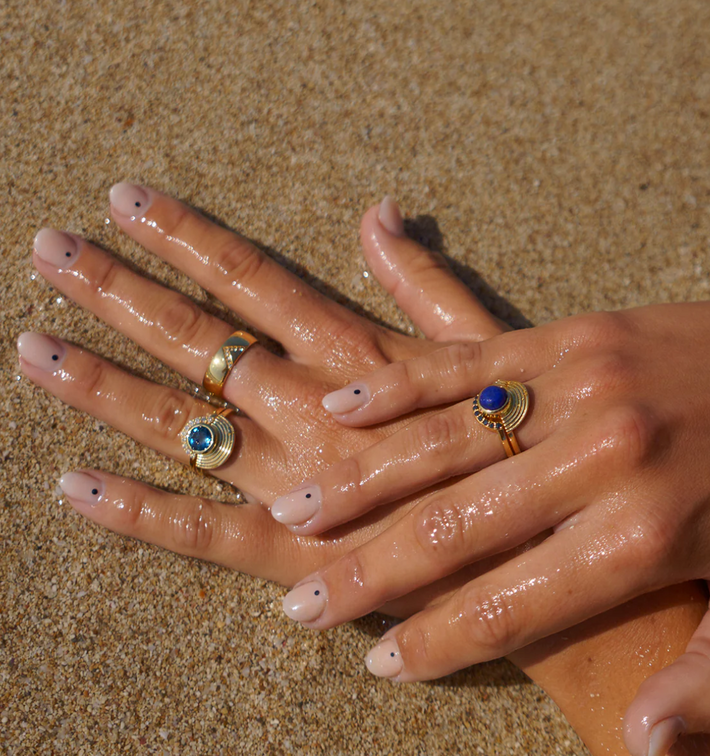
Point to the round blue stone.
(200, 438)
(493, 398)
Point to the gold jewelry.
(225, 358)
(208, 440)
(502, 407)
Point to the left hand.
(615, 462)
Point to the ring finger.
(429, 450)
(153, 415)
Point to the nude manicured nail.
(305, 603)
(82, 488)
(56, 248)
(42, 351)
(384, 660)
(297, 507)
(130, 200)
(346, 399)
(664, 735)
(390, 216)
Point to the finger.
(494, 510)
(259, 290)
(167, 324)
(552, 587)
(241, 537)
(674, 702)
(153, 415)
(421, 282)
(447, 375)
(428, 450)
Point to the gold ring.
(502, 407)
(208, 441)
(225, 358)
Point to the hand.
(615, 464)
(287, 435)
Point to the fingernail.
(305, 603)
(129, 200)
(56, 248)
(42, 351)
(82, 488)
(347, 399)
(664, 735)
(390, 216)
(297, 507)
(384, 660)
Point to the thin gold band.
(225, 358)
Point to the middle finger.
(167, 324)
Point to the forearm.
(592, 671)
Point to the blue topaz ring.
(501, 407)
(225, 358)
(208, 441)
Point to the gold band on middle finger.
(225, 358)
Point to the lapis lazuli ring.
(225, 358)
(502, 407)
(208, 440)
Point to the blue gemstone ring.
(208, 441)
(501, 407)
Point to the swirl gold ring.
(225, 358)
(209, 440)
(501, 407)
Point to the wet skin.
(287, 437)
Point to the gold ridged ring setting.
(501, 407)
(208, 441)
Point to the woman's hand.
(615, 462)
(286, 435)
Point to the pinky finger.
(674, 702)
(244, 538)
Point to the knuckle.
(441, 432)
(416, 643)
(602, 329)
(463, 359)
(105, 281)
(610, 373)
(182, 321)
(237, 260)
(490, 620)
(653, 540)
(443, 529)
(168, 412)
(94, 377)
(630, 434)
(134, 506)
(197, 529)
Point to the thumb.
(673, 702)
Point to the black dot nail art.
(357, 391)
(94, 491)
(308, 496)
(316, 593)
(67, 254)
(55, 357)
(392, 654)
(138, 204)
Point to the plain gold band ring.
(225, 358)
